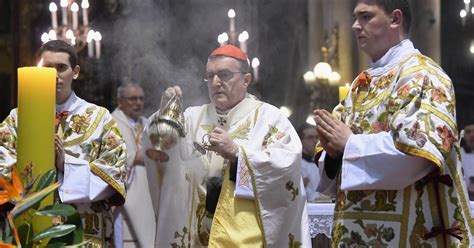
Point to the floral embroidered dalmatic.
(411, 100)
(268, 192)
(94, 171)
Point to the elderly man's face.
(227, 85)
(131, 103)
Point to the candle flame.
(53, 7)
(63, 3)
(90, 35)
(85, 4)
(40, 63)
(243, 36)
(98, 36)
(347, 85)
(52, 34)
(69, 34)
(255, 62)
(231, 13)
(224, 37)
(44, 37)
(74, 7)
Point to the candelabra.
(229, 37)
(70, 30)
(323, 79)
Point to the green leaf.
(55, 231)
(56, 245)
(47, 179)
(6, 231)
(56, 210)
(25, 232)
(31, 200)
(74, 237)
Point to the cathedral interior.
(159, 43)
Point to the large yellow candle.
(36, 114)
(343, 91)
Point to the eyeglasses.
(134, 98)
(223, 75)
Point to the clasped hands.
(333, 134)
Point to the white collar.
(67, 106)
(393, 56)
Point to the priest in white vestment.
(247, 190)
(136, 218)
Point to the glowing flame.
(74, 7)
(90, 35)
(224, 37)
(69, 34)
(44, 37)
(85, 4)
(63, 3)
(243, 36)
(53, 7)
(255, 62)
(52, 35)
(40, 63)
(98, 36)
(231, 13)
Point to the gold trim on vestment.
(107, 179)
(369, 216)
(255, 193)
(89, 132)
(420, 153)
(358, 107)
(440, 115)
(464, 202)
(405, 217)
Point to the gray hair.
(124, 86)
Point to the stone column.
(346, 42)
(315, 32)
(426, 27)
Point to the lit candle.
(36, 114)
(64, 4)
(243, 37)
(222, 39)
(69, 36)
(44, 37)
(85, 17)
(255, 65)
(74, 10)
(90, 46)
(54, 15)
(231, 15)
(97, 39)
(343, 91)
(52, 35)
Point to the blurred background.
(159, 43)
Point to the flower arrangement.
(19, 205)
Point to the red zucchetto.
(230, 51)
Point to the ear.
(76, 71)
(247, 79)
(119, 102)
(397, 18)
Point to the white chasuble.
(268, 178)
